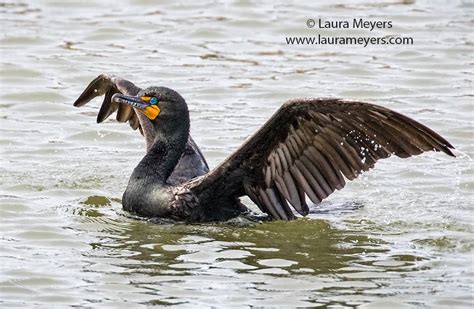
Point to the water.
(400, 236)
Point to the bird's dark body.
(307, 149)
(148, 196)
(192, 164)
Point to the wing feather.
(308, 148)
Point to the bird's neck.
(162, 157)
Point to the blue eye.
(153, 101)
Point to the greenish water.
(400, 236)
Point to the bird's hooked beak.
(147, 105)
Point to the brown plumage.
(309, 147)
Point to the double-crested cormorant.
(306, 149)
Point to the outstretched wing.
(108, 86)
(191, 164)
(308, 148)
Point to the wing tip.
(447, 150)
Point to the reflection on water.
(301, 263)
(399, 236)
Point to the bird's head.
(162, 113)
(156, 103)
(164, 108)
